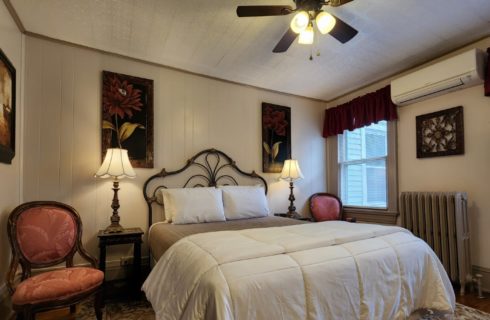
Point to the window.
(362, 157)
(362, 172)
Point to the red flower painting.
(120, 97)
(127, 116)
(119, 100)
(275, 132)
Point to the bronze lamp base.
(115, 227)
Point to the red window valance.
(360, 112)
(487, 75)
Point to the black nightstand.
(284, 215)
(128, 236)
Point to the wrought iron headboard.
(210, 164)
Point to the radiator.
(441, 219)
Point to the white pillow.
(243, 202)
(193, 205)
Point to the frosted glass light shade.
(116, 164)
(306, 36)
(291, 171)
(325, 22)
(300, 21)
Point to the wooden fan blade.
(338, 3)
(285, 42)
(342, 31)
(261, 11)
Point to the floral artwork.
(127, 117)
(276, 137)
(7, 112)
(440, 133)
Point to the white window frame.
(386, 215)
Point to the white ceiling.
(206, 37)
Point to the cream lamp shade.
(306, 36)
(300, 21)
(325, 22)
(291, 171)
(116, 165)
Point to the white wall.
(62, 136)
(469, 172)
(11, 43)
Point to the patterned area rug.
(141, 310)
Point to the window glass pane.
(352, 184)
(362, 178)
(376, 140)
(364, 184)
(353, 145)
(376, 183)
(364, 143)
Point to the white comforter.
(328, 270)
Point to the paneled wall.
(11, 43)
(469, 172)
(62, 136)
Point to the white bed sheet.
(327, 270)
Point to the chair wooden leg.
(26, 315)
(98, 303)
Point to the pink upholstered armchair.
(326, 207)
(44, 234)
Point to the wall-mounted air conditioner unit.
(458, 72)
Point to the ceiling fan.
(307, 12)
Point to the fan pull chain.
(317, 47)
(312, 48)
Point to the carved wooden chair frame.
(28, 311)
(341, 207)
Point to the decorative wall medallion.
(127, 117)
(7, 111)
(276, 137)
(440, 133)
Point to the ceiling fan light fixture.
(300, 21)
(306, 36)
(325, 22)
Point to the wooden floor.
(469, 299)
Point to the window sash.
(365, 166)
(367, 214)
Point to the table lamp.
(291, 172)
(116, 165)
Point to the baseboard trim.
(485, 272)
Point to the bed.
(278, 268)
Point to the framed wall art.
(127, 117)
(276, 137)
(7, 113)
(440, 133)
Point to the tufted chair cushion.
(325, 207)
(46, 234)
(57, 285)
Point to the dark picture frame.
(7, 112)
(440, 133)
(127, 117)
(276, 137)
